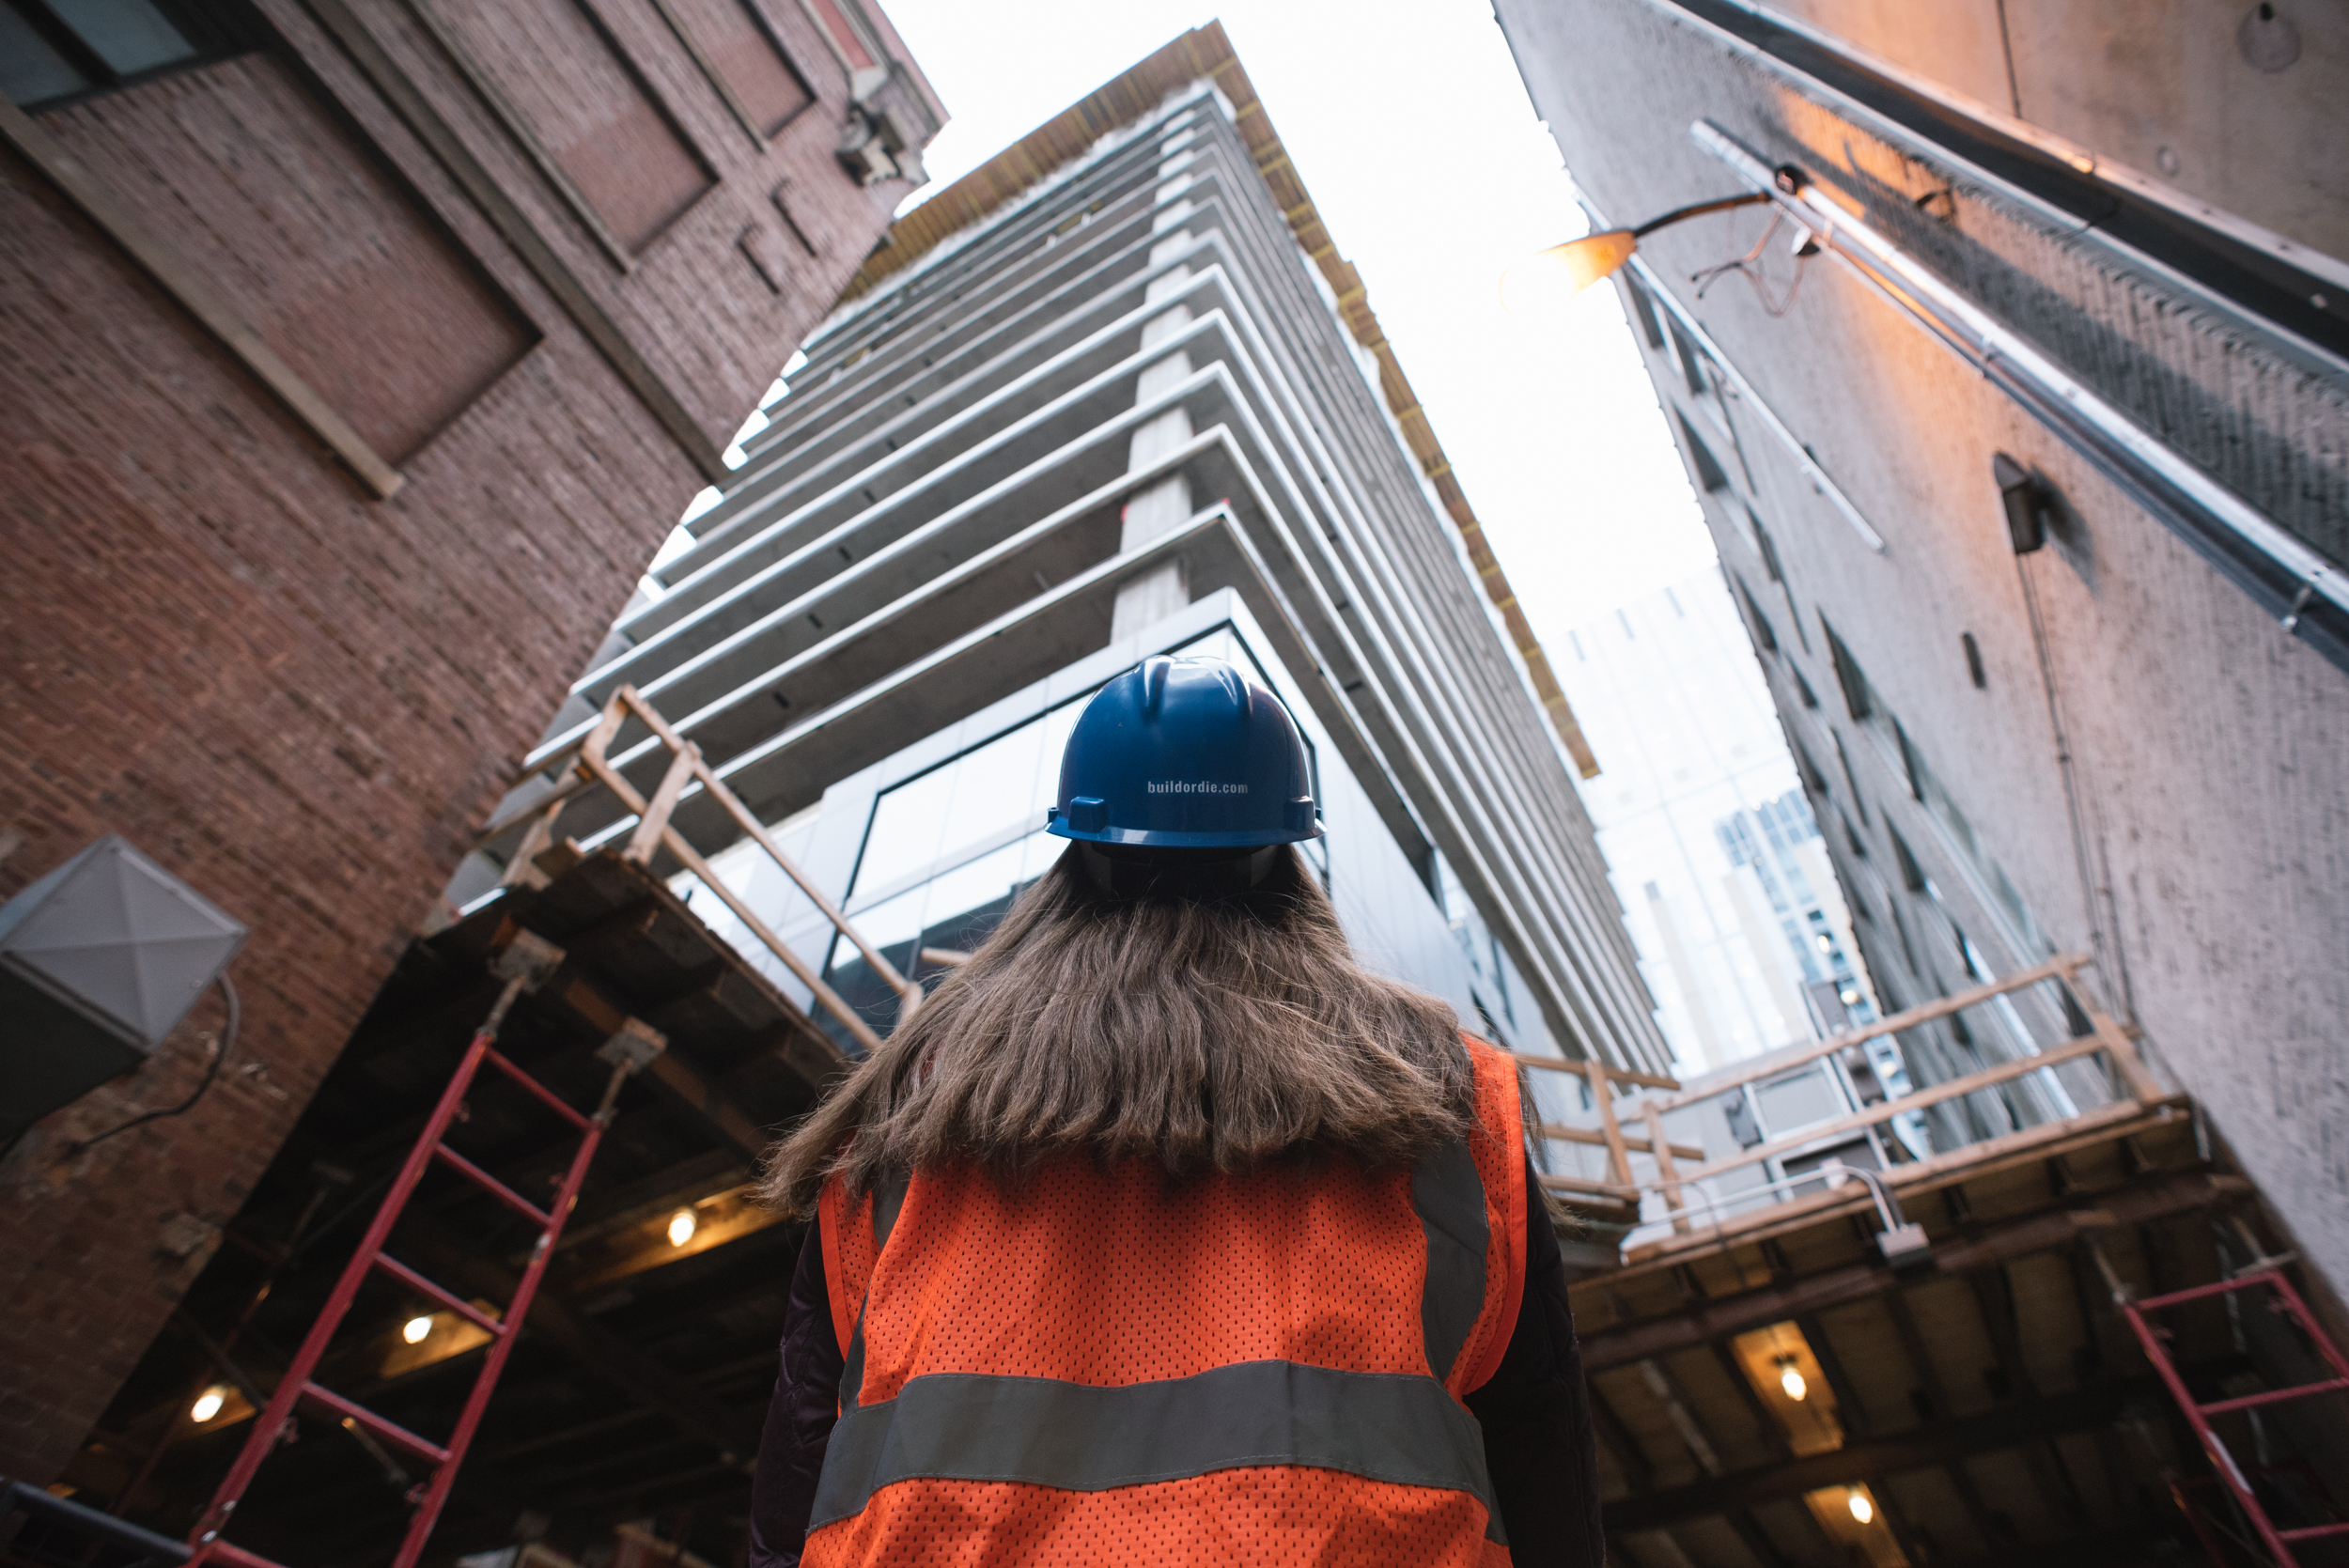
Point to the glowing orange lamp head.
(1543, 282)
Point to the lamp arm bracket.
(1752, 198)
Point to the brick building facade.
(355, 353)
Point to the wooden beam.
(1941, 1442)
(679, 1082)
(1621, 1075)
(1661, 1147)
(733, 1432)
(728, 1217)
(1884, 1110)
(1771, 1063)
(1629, 1458)
(1602, 1096)
(1970, 1162)
(646, 838)
(1852, 1413)
(1591, 1189)
(1590, 1136)
(2152, 1198)
(2124, 1548)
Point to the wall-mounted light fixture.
(2025, 500)
(1544, 282)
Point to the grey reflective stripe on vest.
(1394, 1427)
(1449, 1196)
(888, 1199)
(973, 1426)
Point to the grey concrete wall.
(2202, 95)
(2201, 848)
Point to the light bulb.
(416, 1328)
(1792, 1381)
(1540, 286)
(207, 1404)
(681, 1226)
(1862, 1509)
(1827, 943)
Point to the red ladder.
(2288, 1302)
(524, 965)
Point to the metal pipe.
(1888, 1205)
(2246, 545)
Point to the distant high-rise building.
(1114, 395)
(1741, 929)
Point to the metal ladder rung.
(390, 1431)
(2311, 1532)
(493, 1187)
(455, 1303)
(545, 1095)
(2276, 1396)
(226, 1551)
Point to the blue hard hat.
(1184, 753)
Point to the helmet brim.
(1155, 839)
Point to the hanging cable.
(1749, 267)
(228, 1044)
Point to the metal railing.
(687, 776)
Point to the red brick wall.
(300, 699)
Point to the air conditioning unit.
(99, 961)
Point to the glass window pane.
(908, 826)
(888, 923)
(979, 882)
(1057, 725)
(131, 35)
(31, 72)
(993, 785)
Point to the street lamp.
(1545, 281)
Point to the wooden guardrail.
(2135, 1087)
(688, 774)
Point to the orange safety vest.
(1094, 1364)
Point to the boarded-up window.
(319, 244)
(747, 56)
(555, 72)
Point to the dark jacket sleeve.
(1537, 1416)
(801, 1416)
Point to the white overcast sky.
(1412, 129)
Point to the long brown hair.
(1203, 1035)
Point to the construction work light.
(99, 961)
